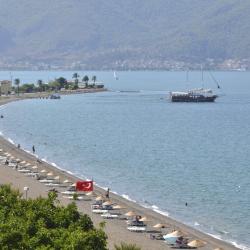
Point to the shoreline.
(126, 236)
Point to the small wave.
(165, 213)
(125, 196)
(240, 246)
(234, 243)
(196, 223)
(11, 141)
(155, 207)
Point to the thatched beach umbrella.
(118, 207)
(34, 167)
(107, 203)
(57, 177)
(27, 164)
(1, 150)
(7, 154)
(196, 243)
(175, 234)
(130, 214)
(159, 225)
(50, 174)
(99, 198)
(218, 248)
(44, 171)
(17, 160)
(23, 162)
(66, 181)
(144, 219)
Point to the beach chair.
(109, 216)
(136, 229)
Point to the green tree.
(62, 81)
(76, 76)
(94, 79)
(17, 83)
(40, 84)
(54, 85)
(43, 223)
(125, 246)
(27, 88)
(85, 79)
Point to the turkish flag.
(86, 186)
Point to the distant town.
(129, 64)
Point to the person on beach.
(107, 193)
(18, 145)
(33, 149)
(6, 162)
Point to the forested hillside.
(108, 32)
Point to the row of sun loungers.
(102, 206)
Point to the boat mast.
(187, 78)
(202, 77)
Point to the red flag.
(86, 186)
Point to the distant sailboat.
(115, 76)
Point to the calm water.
(158, 153)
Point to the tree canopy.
(43, 223)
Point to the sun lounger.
(99, 211)
(32, 174)
(109, 216)
(72, 197)
(46, 181)
(182, 246)
(52, 184)
(68, 192)
(24, 170)
(158, 236)
(137, 229)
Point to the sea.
(159, 154)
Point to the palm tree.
(17, 83)
(86, 80)
(75, 76)
(40, 84)
(94, 79)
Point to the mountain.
(94, 33)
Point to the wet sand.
(116, 229)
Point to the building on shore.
(5, 87)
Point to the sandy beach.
(115, 229)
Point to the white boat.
(115, 76)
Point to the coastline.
(115, 229)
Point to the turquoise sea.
(157, 153)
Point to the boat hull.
(193, 98)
